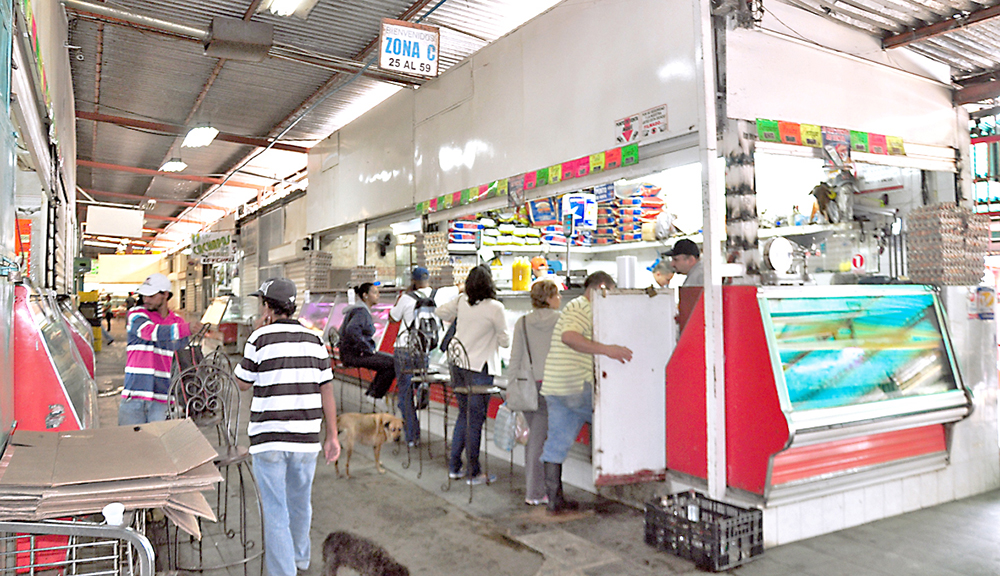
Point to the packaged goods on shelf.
(487, 223)
(606, 221)
(465, 226)
(532, 241)
(630, 237)
(505, 240)
(553, 229)
(604, 240)
(554, 239)
(506, 228)
(946, 245)
(461, 237)
(489, 240)
(491, 232)
(605, 231)
(542, 212)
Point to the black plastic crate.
(714, 535)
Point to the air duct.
(237, 39)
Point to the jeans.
(285, 481)
(133, 411)
(567, 415)
(384, 367)
(475, 405)
(406, 363)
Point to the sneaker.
(414, 444)
(482, 479)
(456, 475)
(538, 502)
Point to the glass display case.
(323, 311)
(847, 354)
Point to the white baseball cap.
(155, 284)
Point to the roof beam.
(174, 175)
(938, 28)
(158, 200)
(179, 130)
(976, 92)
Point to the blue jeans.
(406, 363)
(567, 415)
(285, 481)
(476, 405)
(133, 411)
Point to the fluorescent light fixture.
(173, 165)
(199, 136)
(297, 8)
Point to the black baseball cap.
(684, 246)
(277, 289)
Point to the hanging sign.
(213, 247)
(812, 135)
(409, 48)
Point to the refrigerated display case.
(823, 385)
(53, 390)
(83, 334)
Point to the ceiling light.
(200, 136)
(297, 8)
(173, 165)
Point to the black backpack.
(426, 326)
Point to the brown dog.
(368, 429)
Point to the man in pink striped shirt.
(154, 333)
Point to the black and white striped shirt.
(287, 364)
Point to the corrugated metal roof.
(969, 48)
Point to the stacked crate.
(946, 245)
(362, 274)
(312, 271)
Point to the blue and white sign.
(409, 48)
(583, 208)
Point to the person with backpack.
(419, 329)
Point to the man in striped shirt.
(288, 368)
(568, 384)
(154, 333)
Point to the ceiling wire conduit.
(118, 16)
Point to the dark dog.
(359, 554)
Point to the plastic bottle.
(521, 270)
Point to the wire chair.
(412, 355)
(458, 357)
(207, 393)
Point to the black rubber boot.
(553, 489)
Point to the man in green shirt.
(568, 385)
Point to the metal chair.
(207, 393)
(459, 358)
(415, 350)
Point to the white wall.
(859, 86)
(546, 93)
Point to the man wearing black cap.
(289, 370)
(685, 258)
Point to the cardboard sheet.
(159, 465)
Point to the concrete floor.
(436, 532)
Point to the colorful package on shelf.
(489, 240)
(487, 223)
(653, 202)
(465, 226)
(467, 217)
(605, 192)
(461, 237)
(554, 239)
(625, 229)
(583, 239)
(532, 232)
(605, 231)
(523, 216)
(630, 237)
(532, 241)
(627, 211)
(518, 241)
(647, 190)
(506, 228)
(553, 229)
(521, 231)
(490, 232)
(630, 201)
(505, 240)
(542, 212)
(606, 221)
(604, 240)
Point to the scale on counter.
(784, 263)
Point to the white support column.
(712, 206)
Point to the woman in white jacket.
(482, 329)
(532, 338)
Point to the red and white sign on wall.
(858, 263)
(23, 242)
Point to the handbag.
(522, 392)
(448, 335)
(505, 428)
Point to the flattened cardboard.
(192, 503)
(184, 521)
(32, 461)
